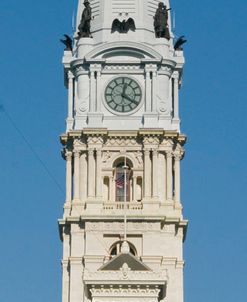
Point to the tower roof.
(120, 260)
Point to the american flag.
(120, 181)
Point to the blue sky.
(213, 111)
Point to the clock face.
(123, 94)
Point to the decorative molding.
(139, 157)
(166, 69)
(119, 141)
(167, 143)
(125, 273)
(95, 140)
(106, 156)
(121, 67)
(82, 108)
(80, 69)
(150, 140)
(78, 143)
(119, 226)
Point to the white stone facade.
(97, 142)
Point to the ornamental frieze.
(126, 274)
(119, 226)
(116, 142)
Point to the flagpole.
(125, 199)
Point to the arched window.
(116, 248)
(120, 181)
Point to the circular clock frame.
(123, 95)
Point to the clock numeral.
(133, 85)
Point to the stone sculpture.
(85, 25)
(179, 43)
(68, 42)
(124, 26)
(161, 22)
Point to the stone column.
(65, 288)
(154, 91)
(98, 92)
(65, 263)
(98, 174)
(177, 177)
(70, 95)
(148, 104)
(76, 175)
(111, 189)
(155, 174)
(176, 96)
(83, 176)
(91, 173)
(92, 107)
(169, 186)
(76, 285)
(134, 197)
(147, 174)
(68, 177)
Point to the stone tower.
(123, 111)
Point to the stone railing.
(121, 206)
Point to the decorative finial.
(125, 248)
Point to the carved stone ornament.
(78, 70)
(163, 107)
(125, 274)
(83, 107)
(106, 156)
(151, 140)
(178, 155)
(95, 140)
(167, 143)
(122, 67)
(116, 142)
(119, 226)
(125, 270)
(78, 143)
(139, 158)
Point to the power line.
(36, 155)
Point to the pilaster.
(70, 118)
(76, 176)
(68, 202)
(95, 116)
(169, 185)
(91, 173)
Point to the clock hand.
(124, 88)
(130, 99)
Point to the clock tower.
(123, 227)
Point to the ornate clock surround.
(124, 76)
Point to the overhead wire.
(36, 155)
